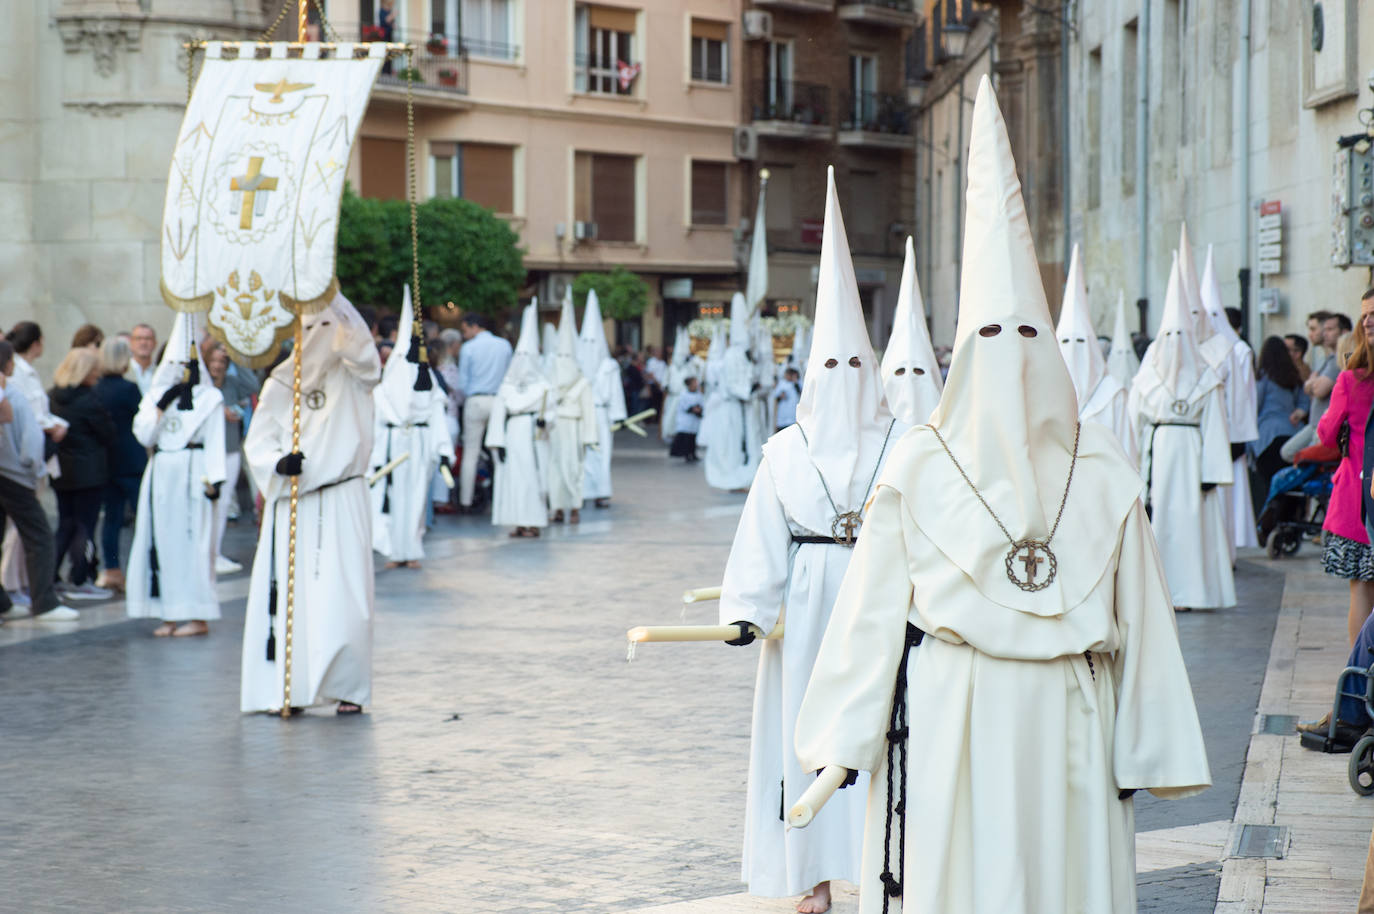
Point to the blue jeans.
(1352, 710)
(120, 491)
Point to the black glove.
(212, 490)
(171, 394)
(746, 635)
(291, 464)
(850, 779)
(1126, 794)
(500, 454)
(1237, 452)
(444, 462)
(540, 423)
(1208, 486)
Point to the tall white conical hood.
(911, 376)
(1192, 291)
(715, 355)
(1174, 358)
(1008, 410)
(525, 365)
(566, 370)
(843, 393)
(739, 322)
(548, 347)
(682, 346)
(396, 398)
(1077, 338)
(756, 287)
(592, 348)
(1122, 362)
(1210, 290)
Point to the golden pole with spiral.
(297, 346)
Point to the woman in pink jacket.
(1348, 553)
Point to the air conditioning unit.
(584, 231)
(746, 143)
(758, 24)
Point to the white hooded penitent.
(733, 442)
(574, 427)
(911, 376)
(1079, 678)
(1101, 398)
(603, 372)
(1122, 362)
(516, 432)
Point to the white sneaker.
(87, 592)
(226, 565)
(59, 614)
(16, 612)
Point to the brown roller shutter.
(489, 176)
(613, 18)
(383, 168)
(712, 31)
(613, 197)
(708, 193)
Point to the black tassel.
(271, 626)
(413, 353)
(386, 502)
(422, 379)
(155, 588)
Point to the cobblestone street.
(512, 760)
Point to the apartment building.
(603, 132)
(824, 84)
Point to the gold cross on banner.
(1032, 562)
(250, 185)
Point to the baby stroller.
(1296, 505)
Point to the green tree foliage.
(467, 255)
(622, 295)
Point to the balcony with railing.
(801, 6)
(439, 69)
(894, 13)
(874, 119)
(786, 108)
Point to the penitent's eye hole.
(831, 363)
(1065, 340)
(1027, 331)
(990, 330)
(854, 361)
(918, 371)
(899, 372)
(1079, 339)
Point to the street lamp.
(955, 39)
(916, 90)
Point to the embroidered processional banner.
(252, 207)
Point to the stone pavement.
(1286, 785)
(512, 760)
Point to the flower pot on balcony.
(437, 45)
(448, 78)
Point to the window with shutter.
(488, 176)
(605, 41)
(604, 193)
(710, 51)
(383, 168)
(709, 193)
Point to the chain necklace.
(1026, 551)
(844, 529)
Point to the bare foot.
(390, 565)
(412, 564)
(1183, 609)
(558, 516)
(818, 902)
(348, 707)
(164, 630)
(191, 629)
(574, 516)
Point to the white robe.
(518, 490)
(1107, 407)
(1189, 449)
(678, 373)
(1241, 418)
(174, 518)
(332, 624)
(398, 499)
(573, 429)
(769, 576)
(730, 460)
(609, 396)
(1017, 748)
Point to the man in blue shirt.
(482, 363)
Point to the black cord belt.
(897, 733)
(1178, 424)
(818, 541)
(411, 425)
(191, 446)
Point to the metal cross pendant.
(1030, 555)
(845, 528)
